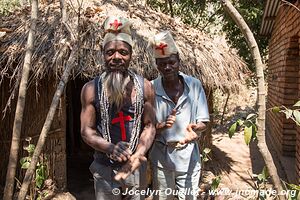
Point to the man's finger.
(173, 112)
(125, 148)
(183, 141)
(189, 128)
(121, 157)
(143, 159)
(129, 167)
(119, 176)
(171, 118)
(124, 145)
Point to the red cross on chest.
(115, 24)
(161, 47)
(121, 119)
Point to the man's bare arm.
(148, 133)
(193, 132)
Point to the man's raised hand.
(121, 152)
(132, 164)
(169, 121)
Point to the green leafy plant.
(293, 114)
(41, 172)
(293, 191)
(260, 183)
(215, 183)
(248, 125)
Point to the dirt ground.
(231, 159)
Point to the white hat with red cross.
(117, 28)
(164, 45)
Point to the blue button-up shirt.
(191, 108)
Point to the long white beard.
(115, 84)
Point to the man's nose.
(168, 66)
(117, 56)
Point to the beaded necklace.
(138, 110)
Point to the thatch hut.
(215, 64)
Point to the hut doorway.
(79, 154)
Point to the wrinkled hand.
(190, 135)
(132, 164)
(121, 152)
(169, 121)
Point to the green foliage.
(215, 183)
(293, 191)
(41, 173)
(248, 125)
(297, 104)
(25, 162)
(232, 129)
(264, 175)
(197, 13)
(7, 6)
(252, 12)
(208, 16)
(248, 134)
(260, 184)
(290, 113)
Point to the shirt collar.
(159, 90)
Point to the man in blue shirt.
(181, 112)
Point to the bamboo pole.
(16, 135)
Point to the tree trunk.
(14, 149)
(261, 92)
(43, 136)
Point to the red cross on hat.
(161, 47)
(116, 24)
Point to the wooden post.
(15, 143)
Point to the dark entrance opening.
(79, 154)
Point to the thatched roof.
(214, 63)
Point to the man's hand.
(121, 152)
(169, 121)
(190, 135)
(132, 164)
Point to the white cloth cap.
(164, 45)
(117, 28)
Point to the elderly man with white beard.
(118, 118)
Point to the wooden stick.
(15, 143)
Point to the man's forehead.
(117, 44)
(171, 57)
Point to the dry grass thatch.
(213, 63)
